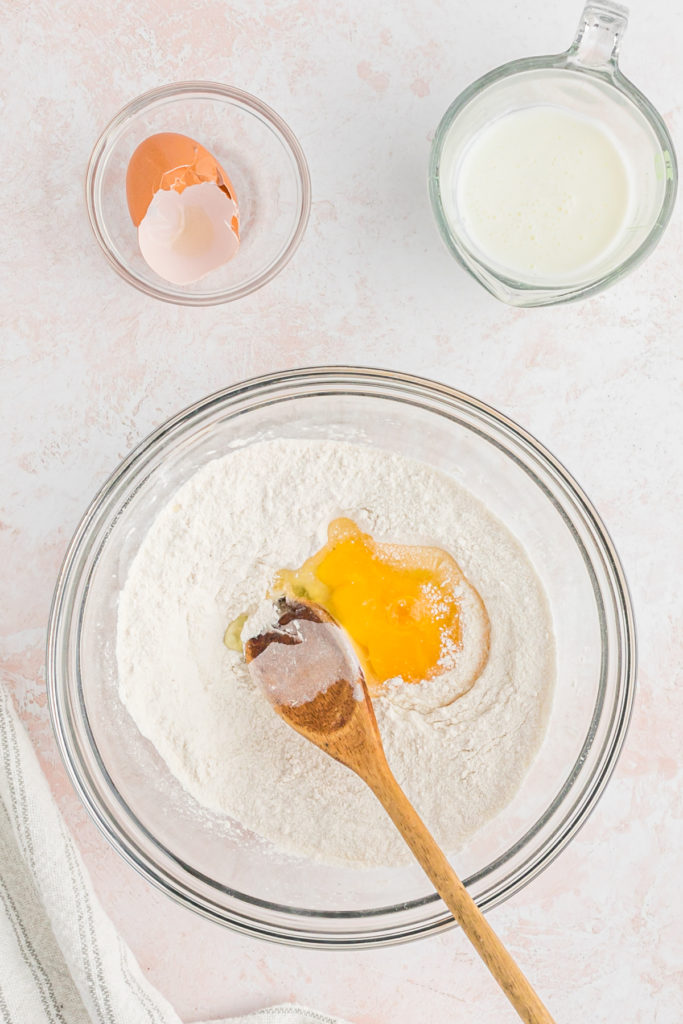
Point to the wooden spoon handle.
(456, 897)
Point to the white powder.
(212, 553)
(296, 673)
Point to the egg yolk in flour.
(400, 605)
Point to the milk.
(543, 194)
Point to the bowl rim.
(336, 380)
(254, 105)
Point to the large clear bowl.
(228, 874)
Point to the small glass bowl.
(215, 866)
(260, 154)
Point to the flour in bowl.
(212, 553)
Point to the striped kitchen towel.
(61, 959)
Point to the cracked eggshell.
(170, 161)
(184, 207)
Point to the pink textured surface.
(90, 366)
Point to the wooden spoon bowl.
(336, 714)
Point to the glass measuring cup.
(586, 81)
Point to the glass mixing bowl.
(216, 867)
(260, 155)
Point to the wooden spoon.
(310, 673)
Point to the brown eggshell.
(170, 161)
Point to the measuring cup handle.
(596, 44)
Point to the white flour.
(211, 555)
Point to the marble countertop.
(90, 366)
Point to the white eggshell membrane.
(185, 235)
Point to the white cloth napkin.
(61, 960)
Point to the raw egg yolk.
(399, 604)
